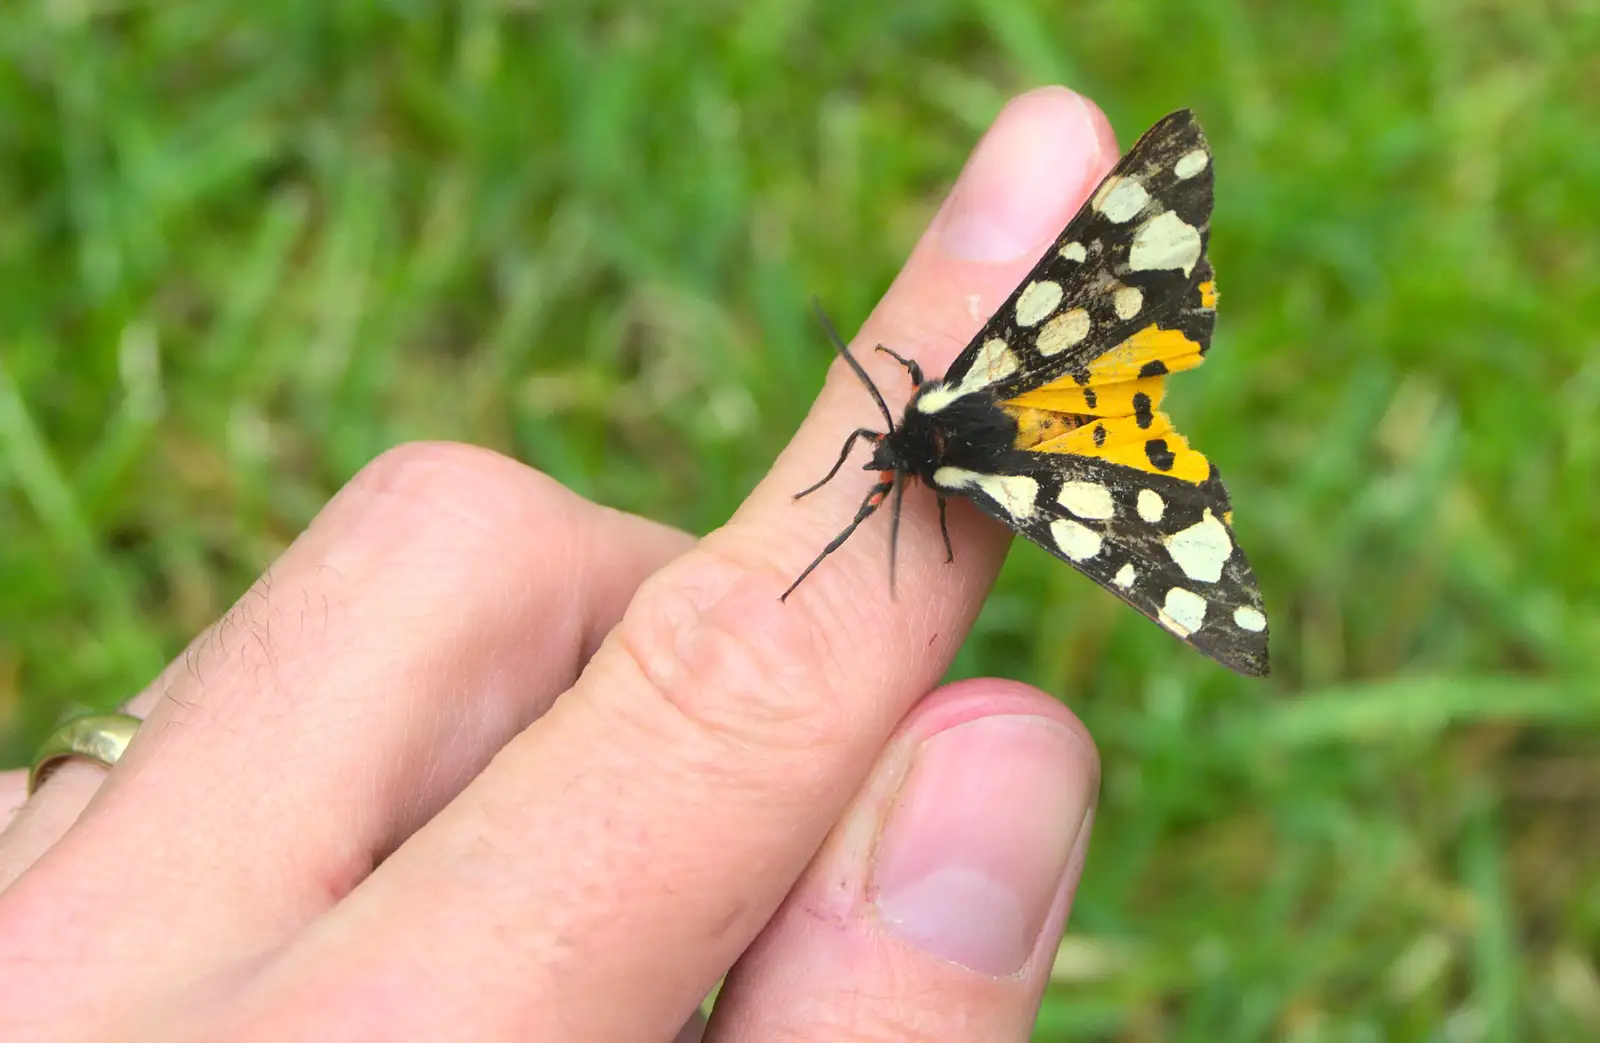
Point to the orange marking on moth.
(1122, 440)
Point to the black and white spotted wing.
(1164, 546)
(1129, 258)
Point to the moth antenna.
(844, 350)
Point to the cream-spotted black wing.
(1163, 545)
(1127, 260)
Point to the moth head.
(886, 456)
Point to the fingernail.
(979, 839)
(1023, 178)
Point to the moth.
(1050, 419)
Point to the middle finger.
(433, 609)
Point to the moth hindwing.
(1050, 420)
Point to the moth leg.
(894, 527)
(873, 501)
(910, 364)
(944, 530)
(861, 432)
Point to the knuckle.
(428, 481)
(424, 527)
(714, 646)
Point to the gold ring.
(100, 737)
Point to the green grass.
(242, 253)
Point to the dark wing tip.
(1175, 118)
(1170, 136)
(1255, 666)
(1246, 658)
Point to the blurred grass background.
(245, 248)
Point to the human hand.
(456, 769)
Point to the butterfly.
(1050, 419)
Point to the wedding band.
(99, 737)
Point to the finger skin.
(634, 841)
(828, 967)
(433, 609)
(28, 828)
(13, 791)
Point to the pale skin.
(596, 763)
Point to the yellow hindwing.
(1112, 412)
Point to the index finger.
(631, 843)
